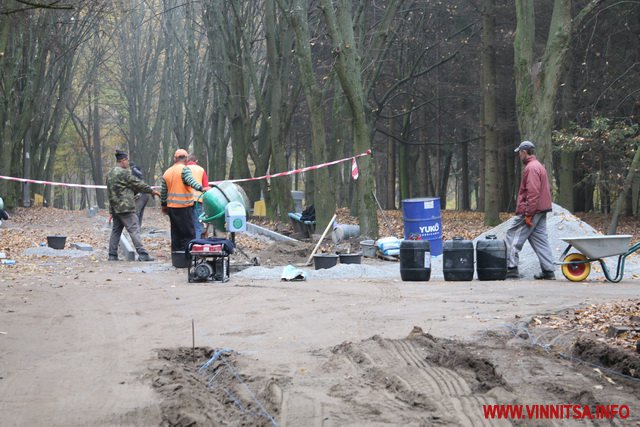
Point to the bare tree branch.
(30, 5)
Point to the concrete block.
(615, 331)
(81, 246)
(127, 248)
(256, 229)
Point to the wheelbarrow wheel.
(576, 272)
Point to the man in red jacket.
(530, 222)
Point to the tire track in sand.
(387, 381)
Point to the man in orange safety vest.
(176, 200)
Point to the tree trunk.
(464, 198)
(26, 165)
(144, 79)
(391, 174)
(324, 197)
(404, 173)
(631, 174)
(98, 172)
(342, 139)
(491, 141)
(444, 180)
(566, 169)
(538, 77)
(219, 135)
(407, 164)
(278, 48)
(348, 68)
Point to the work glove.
(165, 210)
(527, 220)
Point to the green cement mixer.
(216, 199)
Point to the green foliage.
(604, 150)
(604, 137)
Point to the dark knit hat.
(121, 155)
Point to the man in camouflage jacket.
(121, 188)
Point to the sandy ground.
(86, 342)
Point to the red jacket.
(534, 195)
(205, 178)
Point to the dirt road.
(80, 345)
(87, 342)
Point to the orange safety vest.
(178, 193)
(198, 172)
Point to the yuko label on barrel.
(432, 229)
(427, 260)
(428, 204)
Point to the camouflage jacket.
(121, 188)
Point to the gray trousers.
(141, 202)
(129, 221)
(519, 232)
(197, 226)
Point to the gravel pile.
(46, 251)
(379, 270)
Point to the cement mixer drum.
(216, 199)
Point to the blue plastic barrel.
(422, 221)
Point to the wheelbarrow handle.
(632, 249)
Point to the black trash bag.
(309, 214)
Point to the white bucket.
(368, 248)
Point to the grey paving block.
(127, 248)
(256, 229)
(81, 246)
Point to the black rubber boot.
(145, 257)
(513, 273)
(545, 275)
(113, 258)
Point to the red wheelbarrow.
(576, 266)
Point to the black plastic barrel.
(415, 260)
(457, 259)
(491, 258)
